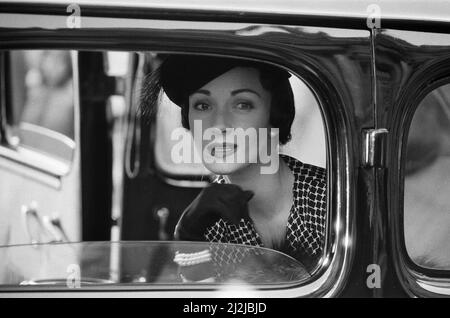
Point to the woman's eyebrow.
(237, 91)
(202, 91)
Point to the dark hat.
(181, 75)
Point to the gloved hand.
(216, 201)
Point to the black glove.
(216, 201)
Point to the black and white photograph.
(239, 150)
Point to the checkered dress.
(306, 224)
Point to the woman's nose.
(221, 120)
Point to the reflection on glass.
(49, 91)
(307, 133)
(251, 126)
(87, 264)
(427, 182)
(43, 102)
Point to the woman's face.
(232, 109)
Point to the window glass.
(427, 182)
(39, 174)
(215, 109)
(84, 265)
(308, 138)
(259, 219)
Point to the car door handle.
(54, 226)
(33, 225)
(42, 229)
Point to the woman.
(284, 209)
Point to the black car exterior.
(368, 73)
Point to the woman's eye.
(244, 106)
(201, 106)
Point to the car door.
(331, 57)
(412, 70)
